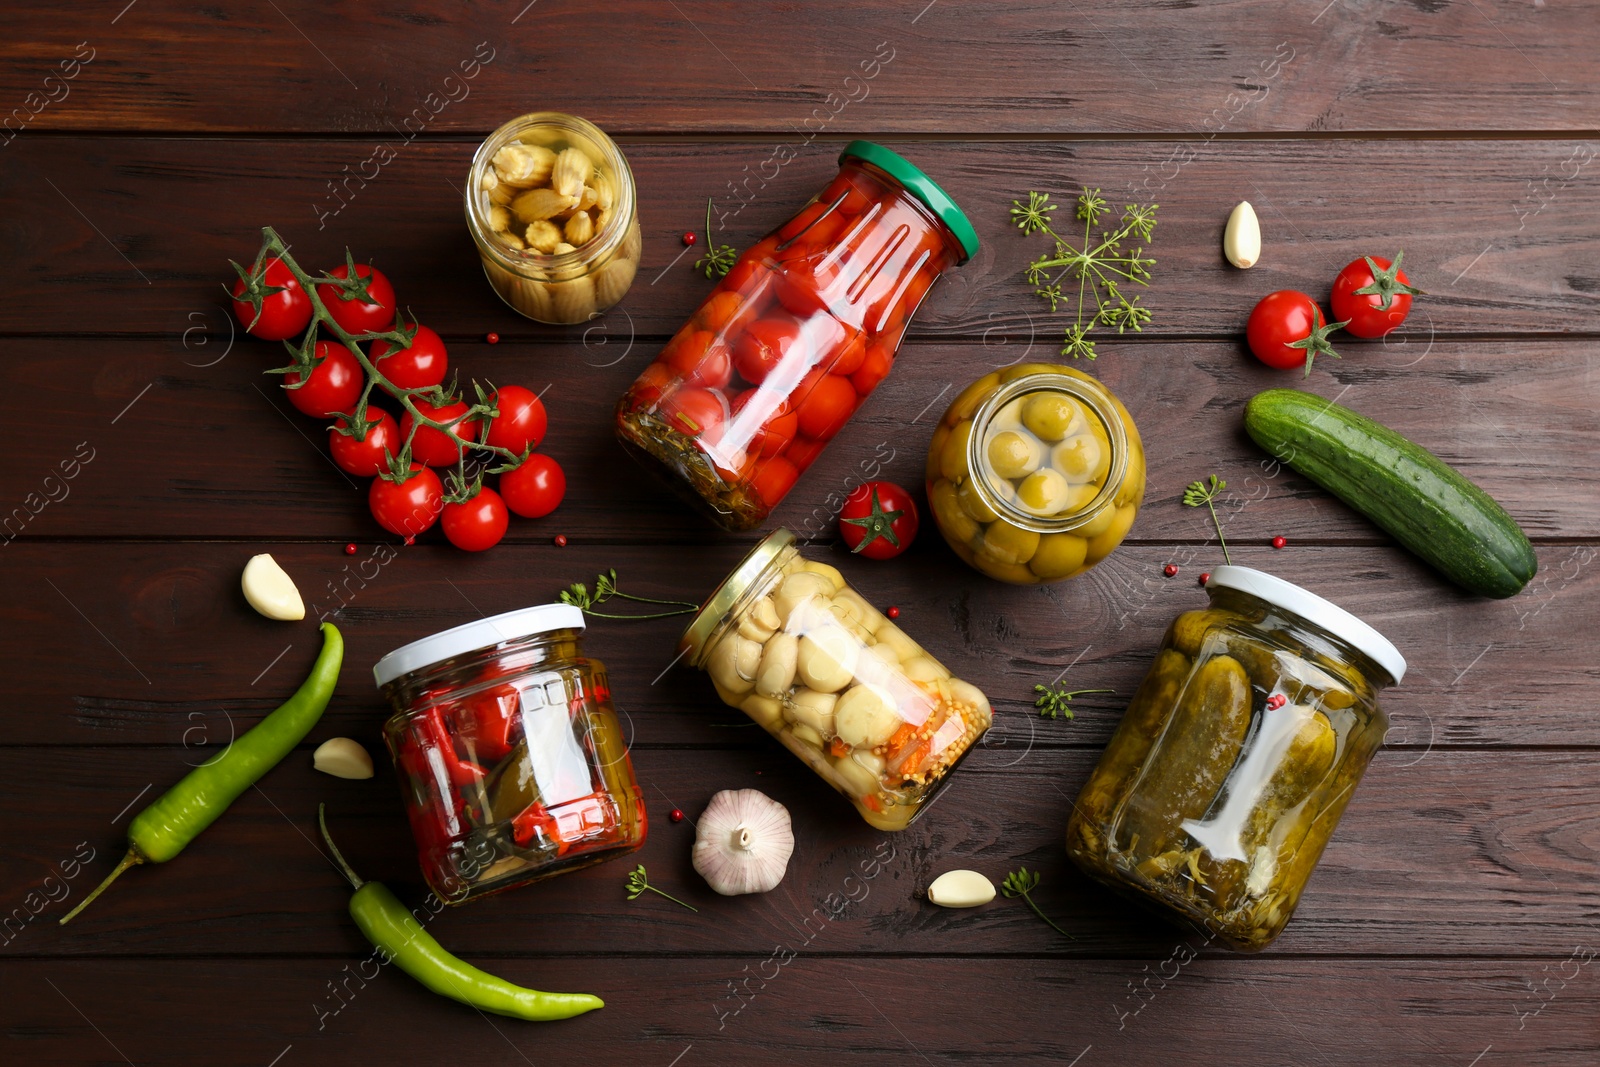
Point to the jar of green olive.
(1035, 474)
(1236, 757)
(551, 206)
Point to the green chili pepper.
(177, 817)
(396, 933)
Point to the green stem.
(132, 859)
(1046, 918)
(672, 898)
(338, 857)
(1218, 524)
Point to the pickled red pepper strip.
(389, 925)
(165, 828)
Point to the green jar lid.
(921, 186)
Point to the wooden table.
(1454, 916)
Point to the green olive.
(956, 524)
(1058, 555)
(1008, 544)
(1044, 492)
(1078, 457)
(1100, 547)
(1013, 454)
(1015, 573)
(1050, 415)
(1099, 524)
(973, 504)
(962, 407)
(953, 457)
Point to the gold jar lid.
(720, 603)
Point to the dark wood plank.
(1445, 853)
(1020, 67)
(136, 233)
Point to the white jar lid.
(483, 633)
(1332, 618)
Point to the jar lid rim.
(924, 188)
(722, 599)
(1315, 609)
(479, 633)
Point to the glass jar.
(551, 206)
(1035, 474)
(510, 757)
(801, 330)
(1237, 756)
(790, 644)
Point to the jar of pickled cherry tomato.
(797, 335)
(1236, 757)
(510, 758)
(1035, 473)
(789, 643)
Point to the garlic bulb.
(743, 842)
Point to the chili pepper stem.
(338, 857)
(132, 859)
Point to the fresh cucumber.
(1416, 497)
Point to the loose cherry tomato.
(1373, 295)
(334, 385)
(476, 524)
(369, 455)
(826, 407)
(534, 489)
(411, 506)
(774, 479)
(420, 366)
(696, 412)
(435, 447)
(284, 314)
(776, 432)
(762, 345)
(878, 520)
(356, 315)
(522, 420)
(1286, 330)
(875, 366)
(803, 451)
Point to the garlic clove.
(342, 758)
(961, 889)
(743, 842)
(270, 590)
(1241, 238)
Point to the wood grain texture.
(1436, 856)
(1017, 66)
(119, 235)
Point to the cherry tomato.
(1286, 330)
(696, 412)
(435, 447)
(334, 385)
(803, 451)
(875, 365)
(762, 346)
(722, 311)
(418, 367)
(370, 455)
(354, 314)
(799, 294)
(826, 407)
(284, 314)
(850, 355)
(1373, 295)
(648, 387)
(476, 524)
(804, 222)
(776, 432)
(878, 520)
(737, 279)
(411, 506)
(774, 479)
(534, 489)
(699, 358)
(522, 420)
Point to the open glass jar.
(1236, 757)
(1035, 474)
(789, 643)
(510, 757)
(794, 339)
(551, 206)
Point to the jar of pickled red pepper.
(1035, 474)
(1236, 757)
(551, 206)
(801, 331)
(789, 643)
(510, 757)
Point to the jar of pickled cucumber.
(1035, 473)
(1237, 756)
(551, 206)
(790, 644)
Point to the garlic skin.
(270, 590)
(961, 889)
(342, 758)
(743, 842)
(1241, 238)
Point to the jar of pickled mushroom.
(511, 761)
(791, 342)
(790, 644)
(1237, 756)
(551, 207)
(1035, 474)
